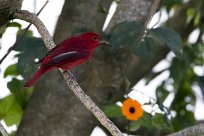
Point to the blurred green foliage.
(182, 75)
(13, 105)
(128, 35)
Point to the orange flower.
(132, 109)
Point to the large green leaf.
(112, 111)
(14, 115)
(5, 104)
(30, 48)
(126, 33)
(169, 37)
(10, 111)
(144, 49)
(14, 85)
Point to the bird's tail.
(35, 77)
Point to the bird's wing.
(67, 45)
(66, 57)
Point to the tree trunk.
(52, 110)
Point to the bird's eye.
(95, 38)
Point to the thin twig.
(3, 130)
(71, 82)
(152, 11)
(90, 105)
(23, 33)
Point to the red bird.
(68, 54)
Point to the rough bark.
(68, 76)
(7, 8)
(131, 10)
(50, 106)
(197, 130)
(89, 14)
(53, 111)
(102, 76)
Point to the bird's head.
(93, 38)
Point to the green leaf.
(197, 19)
(191, 12)
(14, 24)
(112, 111)
(2, 30)
(144, 50)
(145, 120)
(126, 33)
(5, 104)
(29, 33)
(172, 2)
(30, 48)
(160, 122)
(161, 93)
(175, 70)
(150, 122)
(14, 115)
(134, 125)
(10, 110)
(10, 71)
(169, 37)
(183, 120)
(16, 87)
(169, 4)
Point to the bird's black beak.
(104, 42)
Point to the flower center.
(132, 110)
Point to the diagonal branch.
(33, 19)
(71, 82)
(197, 130)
